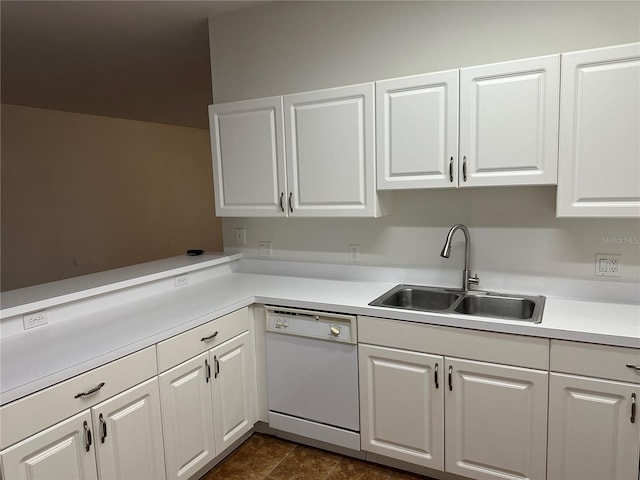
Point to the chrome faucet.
(446, 251)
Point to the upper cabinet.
(329, 166)
(507, 126)
(599, 173)
(247, 145)
(417, 131)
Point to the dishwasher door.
(314, 380)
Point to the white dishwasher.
(312, 375)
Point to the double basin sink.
(526, 308)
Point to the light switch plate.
(265, 249)
(608, 265)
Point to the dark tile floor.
(264, 457)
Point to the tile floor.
(264, 457)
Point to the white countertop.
(43, 356)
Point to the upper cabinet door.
(417, 131)
(599, 173)
(509, 123)
(330, 149)
(247, 146)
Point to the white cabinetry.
(62, 451)
(247, 142)
(599, 172)
(593, 432)
(417, 131)
(329, 165)
(208, 401)
(474, 418)
(508, 126)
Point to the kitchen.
(524, 243)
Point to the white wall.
(285, 47)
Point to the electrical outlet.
(181, 280)
(35, 319)
(241, 237)
(608, 265)
(265, 249)
(354, 253)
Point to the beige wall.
(286, 47)
(83, 193)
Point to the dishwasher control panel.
(307, 323)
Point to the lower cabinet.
(475, 419)
(208, 402)
(119, 438)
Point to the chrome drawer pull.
(210, 337)
(635, 367)
(90, 392)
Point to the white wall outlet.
(354, 253)
(181, 280)
(265, 249)
(34, 319)
(608, 265)
(241, 237)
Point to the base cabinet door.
(401, 405)
(496, 418)
(593, 434)
(128, 434)
(187, 419)
(62, 452)
(234, 389)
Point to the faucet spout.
(446, 252)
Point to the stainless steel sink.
(527, 308)
(413, 297)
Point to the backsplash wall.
(513, 230)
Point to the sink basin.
(417, 298)
(527, 308)
(498, 306)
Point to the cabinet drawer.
(36, 412)
(517, 350)
(593, 360)
(177, 349)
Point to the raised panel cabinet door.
(496, 421)
(591, 433)
(402, 405)
(599, 173)
(509, 123)
(62, 452)
(128, 434)
(234, 389)
(330, 143)
(187, 417)
(417, 131)
(247, 146)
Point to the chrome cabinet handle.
(635, 367)
(464, 168)
(87, 436)
(291, 202)
(633, 408)
(435, 376)
(90, 392)
(207, 370)
(103, 426)
(282, 201)
(217, 364)
(451, 169)
(450, 378)
(210, 337)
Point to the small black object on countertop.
(194, 251)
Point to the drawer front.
(36, 412)
(591, 360)
(516, 350)
(177, 349)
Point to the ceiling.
(141, 60)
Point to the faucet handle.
(475, 279)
